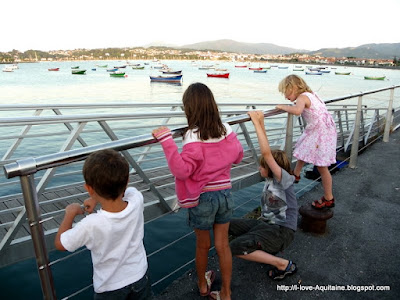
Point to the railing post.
(388, 117)
(289, 137)
(340, 128)
(356, 136)
(35, 225)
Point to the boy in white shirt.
(114, 234)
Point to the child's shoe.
(323, 203)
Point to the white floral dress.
(317, 144)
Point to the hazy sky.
(308, 24)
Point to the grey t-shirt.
(279, 203)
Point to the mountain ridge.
(372, 51)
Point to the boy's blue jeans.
(139, 290)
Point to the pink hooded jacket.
(202, 166)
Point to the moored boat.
(313, 73)
(118, 74)
(218, 75)
(138, 67)
(54, 69)
(166, 78)
(112, 70)
(342, 73)
(75, 68)
(298, 69)
(8, 69)
(171, 72)
(374, 77)
(260, 71)
(255, 68)
(78, 72)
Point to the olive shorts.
(252, 235)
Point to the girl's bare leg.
(203, 242)
(326, 178)
(299, 166)
(221, 242)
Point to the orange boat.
(219, 75)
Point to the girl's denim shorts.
(214, 207)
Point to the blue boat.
(112, 70)
(260, 71)
(166, 78)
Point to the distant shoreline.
(260, 62)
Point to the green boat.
(117, 74)
(298, 69)
(342, 73)
(137, 67)
(375, 77)
(76, 67)
(78, 72)
(102, 66)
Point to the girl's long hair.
(202, 112)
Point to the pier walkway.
(360, 247)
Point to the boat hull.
(224, 75)
(176, 78)
(122, 74)
(374, 78)
(78, 72)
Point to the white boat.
(8, 69)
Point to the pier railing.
(46, 191)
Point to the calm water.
(33, 83)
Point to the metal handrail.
(32, 165)
(26, 168)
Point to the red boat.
(219, 75)
(256, 69)
(54, 69)
(241, 66)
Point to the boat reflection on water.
(167, 83)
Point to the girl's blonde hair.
(293, 82)
(281, 159)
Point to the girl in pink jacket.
(202, 180)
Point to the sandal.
(296, 178)
(210, 276)
(215, 295)
(276, 274)
(323, 203)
